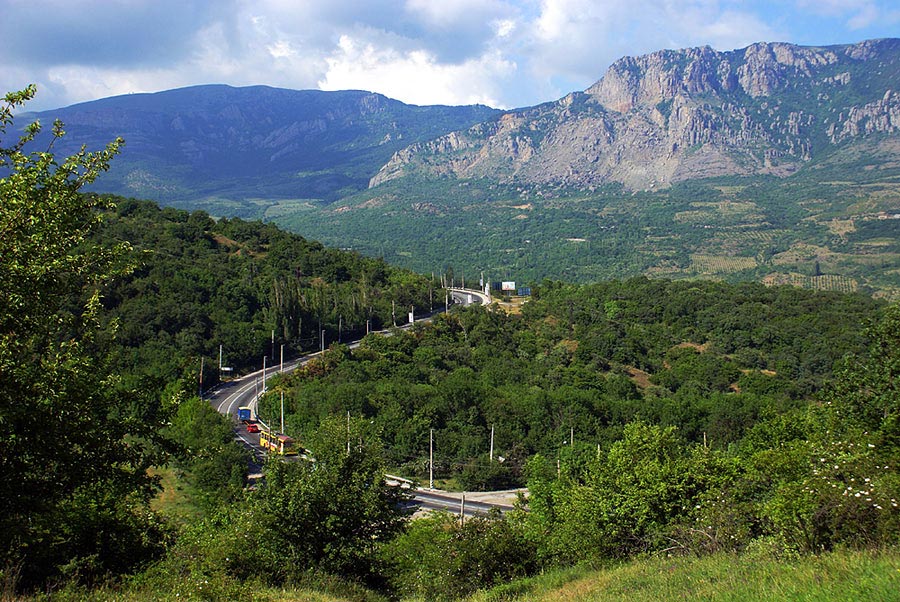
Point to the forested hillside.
(646, 417)
(110, 309)
(199, 284)
(711, 359)
(831, 227)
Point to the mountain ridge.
(232, 144)
(674, 115)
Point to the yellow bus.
(277, 443)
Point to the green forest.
(647, 418)
(827, 227)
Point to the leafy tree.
(71, 439)
(206, 451)
(623, 503)
(437, 558)
(332, 513)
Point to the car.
(252, 428)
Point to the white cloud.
(452, 12)
(580, 38)
(864, 18)
(281, 49)
(499, 52)
(415, 76)
(857, 14)
(84, 82)
(505, 27)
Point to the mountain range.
(229, 149)
(776, 162)
(676, 115)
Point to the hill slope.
(217, 147)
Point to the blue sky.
(503, 53)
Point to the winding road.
(244, 391)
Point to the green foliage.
(75, 446)
(336, 511)
(733, 229)
(723, 358)
(205, 449)
(622, 503)
(200, 284)
(330, 516)
(802, 482)
(437, 558)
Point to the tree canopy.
(73, 448)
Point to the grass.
(175, 501)
(846, 575)
(873, 576)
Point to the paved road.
(471, 504)
(243, 391)
(465, 296)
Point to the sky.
(502, 53)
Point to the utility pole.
(431, 460)
(348, 432)
(492, 444)
(340, 326)
(282, 411)
(264, 375)
(273, 344)
(201, 377)
(462, 510)
(282, 358)
(393, 313)
(322, 342)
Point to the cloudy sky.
(503, 53)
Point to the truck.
(245, 414)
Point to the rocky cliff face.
(680, 114)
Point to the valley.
(701, 384)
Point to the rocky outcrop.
(879, 117)
(679, 114)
